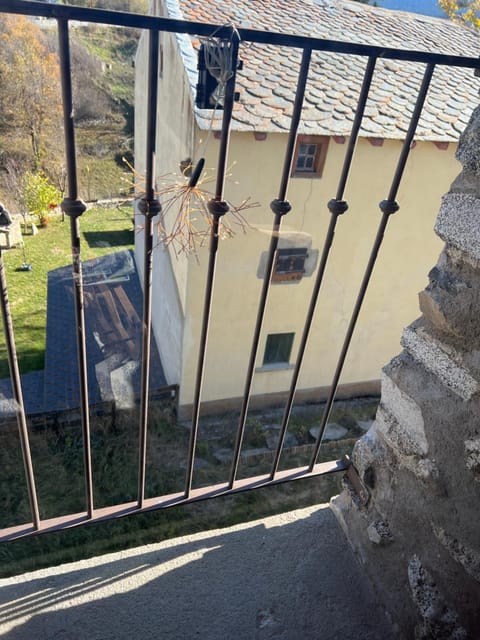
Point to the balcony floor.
(288, 577)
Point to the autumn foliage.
(30, 104)
(465, 11)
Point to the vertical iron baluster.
(18, 395)
(74, 208)
(387, 207)
(280, 207)
(217, 208)
(337, 207)
(149, 207)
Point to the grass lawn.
(50, 249)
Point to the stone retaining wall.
(418, 536)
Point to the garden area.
(103, 231)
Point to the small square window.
(278, 348)
(309, 157)
(289, 265)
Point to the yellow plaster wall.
(409, 250)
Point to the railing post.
(18, 395)
(74, 207)
(280, 207)
(149, 206)
(217, 208)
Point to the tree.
(30, 103)
(465, 11)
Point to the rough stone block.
(472, 457)
(367, 451)
(396, 436)
(453, 292)
(407, 414)
(408, 453)
(467, 557)
(441, 360)
(439, 621)
(122, 386)
(458, 223)
(466, 182)
(11, 235)
(379, 533)
(433, 312)
(469, 144)
(428, 473)
(332, 431)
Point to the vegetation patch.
(47, 250)
(58, 454)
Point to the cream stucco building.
(257, 146)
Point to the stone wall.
(418, 535)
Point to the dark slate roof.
(267, 81)
(105, 351)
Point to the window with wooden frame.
(289, 265)
(309, 157)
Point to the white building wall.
(174, 142)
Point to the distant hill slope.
(103, 95)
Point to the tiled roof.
(268, 79)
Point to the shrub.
(40, 196)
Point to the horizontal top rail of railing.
(138, 21)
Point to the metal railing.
(151, 207)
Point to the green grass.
(48, 250)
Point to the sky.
(427, 7)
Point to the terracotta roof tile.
(268, 79)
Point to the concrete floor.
(288, 577)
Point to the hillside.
(105, 110)
(31, 136)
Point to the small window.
(278, 348)
(309, 158)
(289, 265)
